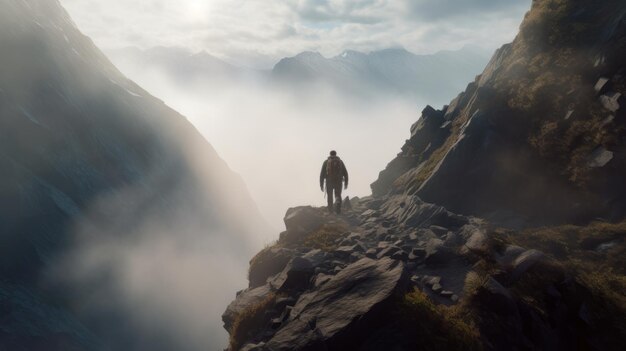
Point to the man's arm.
(323, 175)
(345, 174)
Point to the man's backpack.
(333, 168)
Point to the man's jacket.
(342, 176)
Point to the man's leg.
(338, 197)
(329, 196)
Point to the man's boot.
(338, 206)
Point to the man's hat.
(333, 153)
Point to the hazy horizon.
(259, 33)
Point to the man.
(334, 172)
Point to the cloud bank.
(259, 32)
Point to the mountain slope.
(86, 153)
(538, 136)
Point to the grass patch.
(595, 255)
(439, 327)
(250, 322)
(325, 237)
(473, 281)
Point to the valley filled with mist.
(275, 127)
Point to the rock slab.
(343, 309)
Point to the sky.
(257, 33)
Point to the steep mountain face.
(536, 139)
(539, 136)
(83, 147)
(386, 72)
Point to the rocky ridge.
(537, 139)
(341, 282)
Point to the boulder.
(400, 255)
(370, 213)
(508, 256)
(437, 253)
(282, 302)
(245, 300)
(371, 253)
(300, 221)
(295, 276)
(355, 256)
(384, 244)
(317, 257)
(321, 279)
(425, 234)
(267, 263)
(354, 202)
(438, 230)
(446, 293)
(347, 242)
(602, 85)
(341, 312)
(600, 157)
(411, 211)
(345, 251)
(388, 252)
(452, 239)
(374, 204)
(477, 242)
(611, 101)
(417, 254)
(347, 204)
(431, 280)
(527, 260)
(355, 236)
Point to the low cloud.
(155, 271)
(258, 33)
(278, 138)
(441, 10)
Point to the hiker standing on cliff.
(335, 173)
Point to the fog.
(173, 275)
(161, 284)
(277, 137)
(153, 265)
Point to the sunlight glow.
(196, 10)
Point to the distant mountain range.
(390, 72)
(387, 72)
